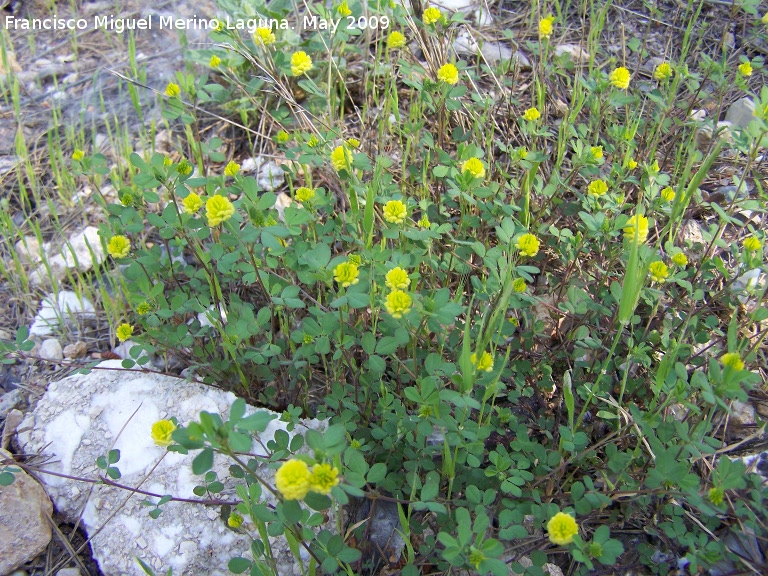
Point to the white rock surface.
(65, 308)
(24, 526)
(28, 249)
(82, 417)
(268, 174)
(51, 349)
(492, 52)
(80, 253)
(577, 53)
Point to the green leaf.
(237, 411)
(113, 456)
(256, 422)
(377, 473)
(239, 565)
(203, 462)
(6, 478)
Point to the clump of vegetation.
(480, 275)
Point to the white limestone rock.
(60, 310)
(84, 416)
(81, 252)
(51, 349)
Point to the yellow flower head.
(663, 71)
(219, 26)
(597, 187)
(448, 73)
(484, 364)
(636, 229)
(235, 520)
(561, 528)
(78, 155)
(397, 279)
(341, 158)
(161, 432)
(123, 332)
(395, 40)
(764, 19)
(680, 259)
(395, 212)
(519, 285)
(531, 114)
(301, 63)
(143, 308)
(620, 78)
(353, 143)
(127, 199)
(528, 245)
(716, 495)
(424, 222)
(184, 167)
(632, 164)
(304, 194)
(214, 62)
(658, 271)
(432, 15)
(265, 37)
(596, 152)
(231, 169)
(473, 166)
(192, 203)
(546, 27)
(324, 477)
(218, 209)
(313, 141)
(119, 246)
(733, 360)
(668, 194)
(172, 90)
(745, 69)
(346, 274)
(398, 303)
(293, 479)
(752, 244)
(343, 10)
(654, 167)
(283, 137)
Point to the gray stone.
(79, 253)
(68, 572)
(50, 349)
(741, 112)
(28, 249)
(64, 308)
(82, 417)
(10, 400)
(491, 52)
(551, 569)
(12, 421)
(25, 528)
(576, 52)
(742, 414)
(76, 350)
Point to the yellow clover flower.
(192, 203)
(473, 166)
(680, 259)
(431, 15)
(597, 187)
(596, 152)
(484, 363)
(341, 158)
(531, 114)
(218, 209)
(293, 479)
(546, 27)
(733, 360)
(235, 520)
(620, 78)
(561, 528)
(143, 308)
(172, 90)
(231, 169)
(123, 332)
(324, 477)
(752, 244)
(663, 71)
(346, 274)
(161, 432)
(528, 245)
(636, 229)
(632, 164)
(304, 194)
(119, 246)
(424, 222)
(395, 212)
(301, 63)
(658, 271)
(184, 167)
(448, 73)
(397, 279)
(282, 137)
(313, 141)
(214, 62)
(353, 143)
(265, 37)
(398, 303)
(519, 285)
(343, 10)
(745, 69)
(395, 40)
(764, 19)
(78, 155)
(667, 194)
(716, 495)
